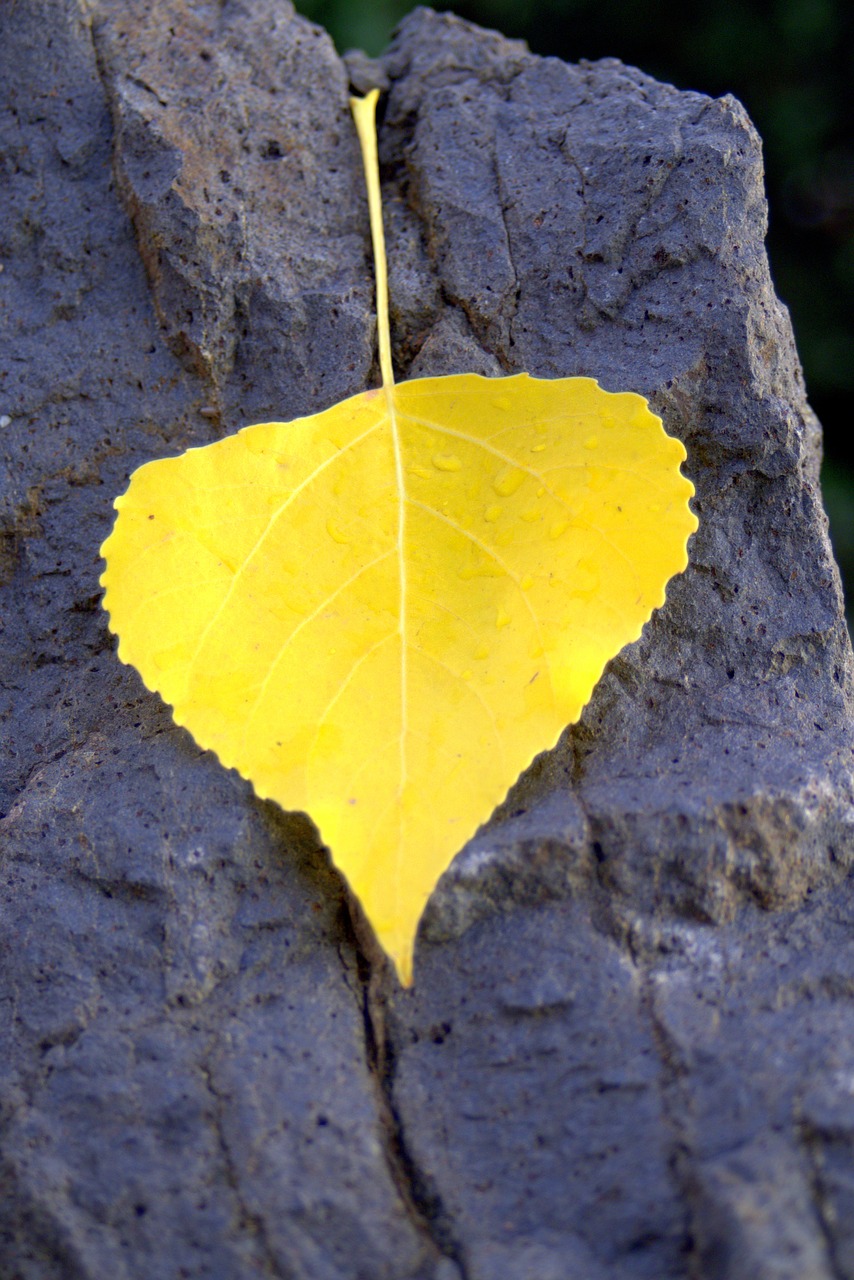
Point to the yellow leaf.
(379, 614)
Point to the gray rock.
(629, 1051)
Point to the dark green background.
(791, 62)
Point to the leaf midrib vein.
(401, 560)
(379, 751)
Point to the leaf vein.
(315, 613)
(475, 692)
(262, 537)
(345, 684)
(509, 461)
(179, 588)
(487, 550)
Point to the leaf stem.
(364, 114)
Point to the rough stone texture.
(629, 1052)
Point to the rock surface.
(629, 1052)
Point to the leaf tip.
(398, 943)
(403, 963)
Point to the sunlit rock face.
(629, 1048)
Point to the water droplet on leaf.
(508, 481)
(336, 532)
